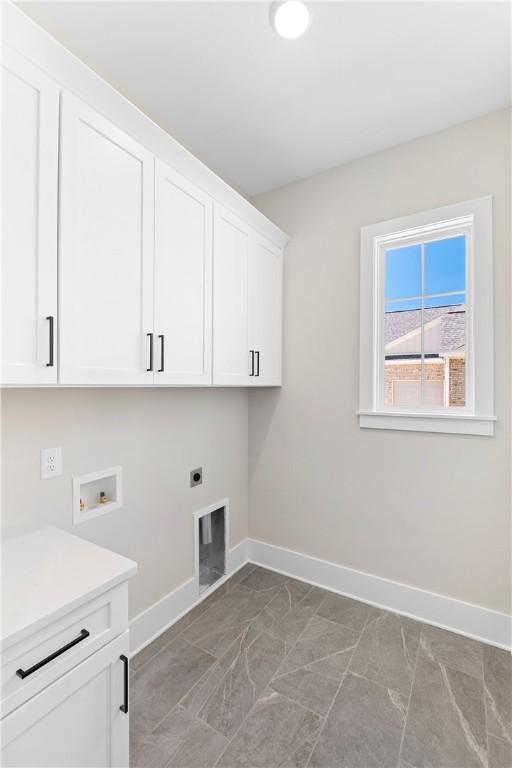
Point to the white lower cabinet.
(79, 721)
(64, 643)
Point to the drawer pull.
(23, 673)
(124, 707)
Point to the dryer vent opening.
(212, 547)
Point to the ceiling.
(262, 111)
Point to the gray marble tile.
(156, 646)
(181, 740)
(247, 674)
(149, 753)
(260, 579)
(287, 615)
(446, 720)
(177, 628)
(343, 610)
(209, 684)
(452, 650)
(324, 647)
(200, 747)
(221, 624)
(288, 595)
(387, 650)
(244, 571)
(162, 682)
(278, 732)
(500, 753)
(363, 729)
(498, 691)
(314, 691)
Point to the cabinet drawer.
(80, 721)
(103, 618)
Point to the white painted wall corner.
(149, 624)
(455, 615)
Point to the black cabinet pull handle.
(150, 352)
(50, 319)
(124, 707)
(257, 363)
(252, 362)
(23, 673)
(162, 342)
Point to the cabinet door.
(265, 310)
(106, 251)
(183, 280)
(76, 722)
(231, 359)
(30, 140)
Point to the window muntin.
(423, 312)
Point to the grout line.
(216, 660)
(410, 697)
(187, 626)
(259, 696)
(337, 693)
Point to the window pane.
(402, 366)
(402, 328)
(444, 328)
(445, 265)
(444, 301)
(444, 339)
(433, 383)
(403, 272)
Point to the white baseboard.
(149, 624)
(464, 618)
(457, 616)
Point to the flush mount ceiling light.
(290, 19)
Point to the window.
(427, 321)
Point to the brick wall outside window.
(434, 372)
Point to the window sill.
(462, 424)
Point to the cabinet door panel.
(106, 251)
(183, 279)
(30, 125)
(75, 722)
(265, 309)
(230, 265)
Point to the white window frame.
(472, 218)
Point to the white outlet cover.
(51, 462)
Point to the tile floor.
(270, 672)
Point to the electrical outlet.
(196, 477)
(51, 462)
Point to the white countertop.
(47, 572)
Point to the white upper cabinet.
(30, 140)
(265, 310)
(231, 245)
(106, 252)
(183, 280)
(247, 304)
(118, 270)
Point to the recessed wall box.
(96, 493)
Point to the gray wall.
(158, 436)
(428, 510)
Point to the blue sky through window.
(445, 272)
